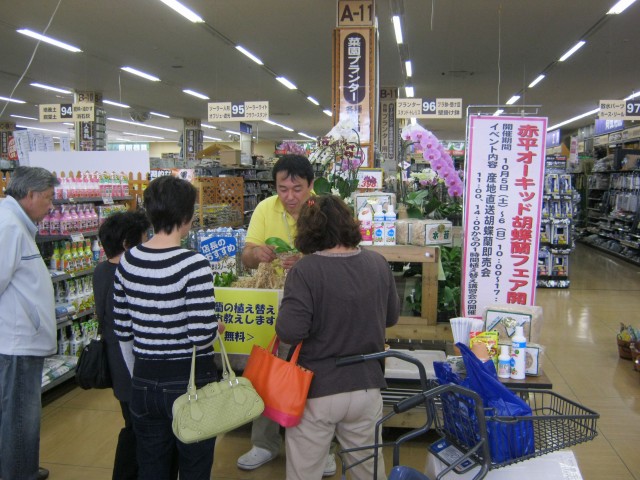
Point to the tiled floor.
(80, 428)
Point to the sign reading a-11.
(429, 108)
(237, 111)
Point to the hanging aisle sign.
(620, 109)
(429, 108)
(503, 202)
(237, 111)
(67, 112)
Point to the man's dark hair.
(122, 230)
(169, 202)
(325, 222)
(294, 166)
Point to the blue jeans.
(151, 403)
(20, 409)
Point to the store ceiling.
(483, 51)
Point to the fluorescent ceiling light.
(302, 134)
(279, 125)
(141, 124)
(572, 50)
(212, 138)
(156, 114)
(206, 125)
(141, 135)
(633, 95)
(196, 94)
(313, 100)
(49, 87)
(232, 132)
(184, 11)
(620, 7)
(115, 104)
(397, 29)
(536, 81)
(286, 83)
(12, 100)
(68, 124)
(327, 113)
(498, 112)
(513, 99)
(408, 68)
(249, 54)
(49, 40)
(558, 125)
(124, 139)
(140, 74)
(26, 118)
(409, 92)
(41, 129)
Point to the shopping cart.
(466, 429)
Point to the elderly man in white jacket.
(27, 322)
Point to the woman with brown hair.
(338, 300)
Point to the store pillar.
(92, 134)
(192, 140)
(355, 81)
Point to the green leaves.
(281, 245)
(223, 279)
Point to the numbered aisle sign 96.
(237, 111)
(429, 108)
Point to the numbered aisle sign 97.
(429, 108)
(237, 111)
(620, 109)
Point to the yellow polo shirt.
(270, 219)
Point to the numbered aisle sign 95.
(429, 108)
(237, 111)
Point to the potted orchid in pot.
(339, 156)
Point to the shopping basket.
(464, 426)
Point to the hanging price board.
(67, 112)
(237, 111)
(429, 108)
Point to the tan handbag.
(216, 408)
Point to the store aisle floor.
(80, 428)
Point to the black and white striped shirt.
(163, 301)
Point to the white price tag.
(77, 237)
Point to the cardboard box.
(229, 158)
(430, 233)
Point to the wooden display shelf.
(424, 327)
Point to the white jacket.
(27, 304)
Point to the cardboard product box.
(431, 233)
(505, 318)
(230, 158)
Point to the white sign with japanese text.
(237, 111)
(503, 203)
(67, 112)
(429, 108)
(620, 109)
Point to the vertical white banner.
(503, 200)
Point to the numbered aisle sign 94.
(429, 108)
(65, 112)
(237, 111)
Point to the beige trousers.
(351, 417)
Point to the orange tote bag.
(282, 385)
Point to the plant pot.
(402, 211)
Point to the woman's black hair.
(169, 202)
(122, 230)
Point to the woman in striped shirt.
(163, 305)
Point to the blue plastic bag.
(507, 440)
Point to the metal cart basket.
(468, 431)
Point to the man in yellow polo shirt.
(276, 216)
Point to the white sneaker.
(254, 458)
(330, 467)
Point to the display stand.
(426, 326)
(221, 190)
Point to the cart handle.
(352, 359)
